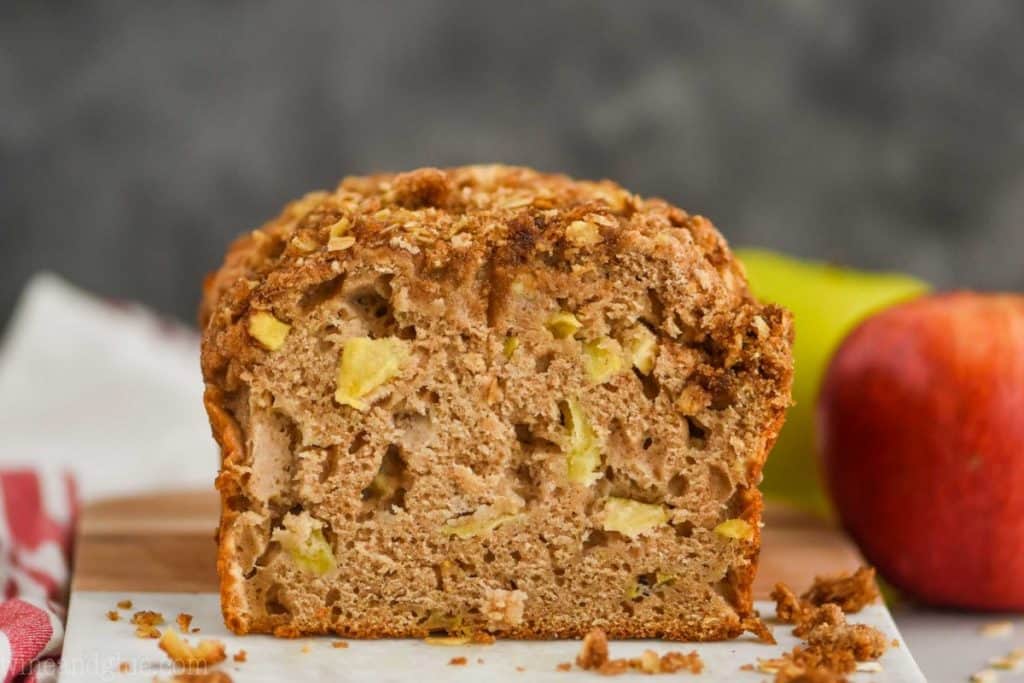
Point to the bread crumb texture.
(486, 400)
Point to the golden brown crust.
(444, 222)
(228, 437)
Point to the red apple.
(921, 422)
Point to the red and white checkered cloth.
(37, 511)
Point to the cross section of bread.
(488, 401)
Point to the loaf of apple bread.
(489, 401)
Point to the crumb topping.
(833, 647)
(146, 623)
(594, 652)
(850, 592)
(594, 656)
(148, 618)
(847, 593)
(205, 653)
(147, 631)
(756, 626)
(811, 618)
(787, 605)
(204, 677)
(184, 621)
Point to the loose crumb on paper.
(146, 623)
(1012, 661)
(205, 677)
(179, 651)
(833, 648)
(184, 621)
(594, 656)
(148, 618)
(850, 592)
(147, 631)
(997, 629)
(760, 630)
(447, 641)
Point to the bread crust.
(512, 216)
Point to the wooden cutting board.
(164, 543)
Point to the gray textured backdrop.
(136, 138)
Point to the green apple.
(827, 302)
